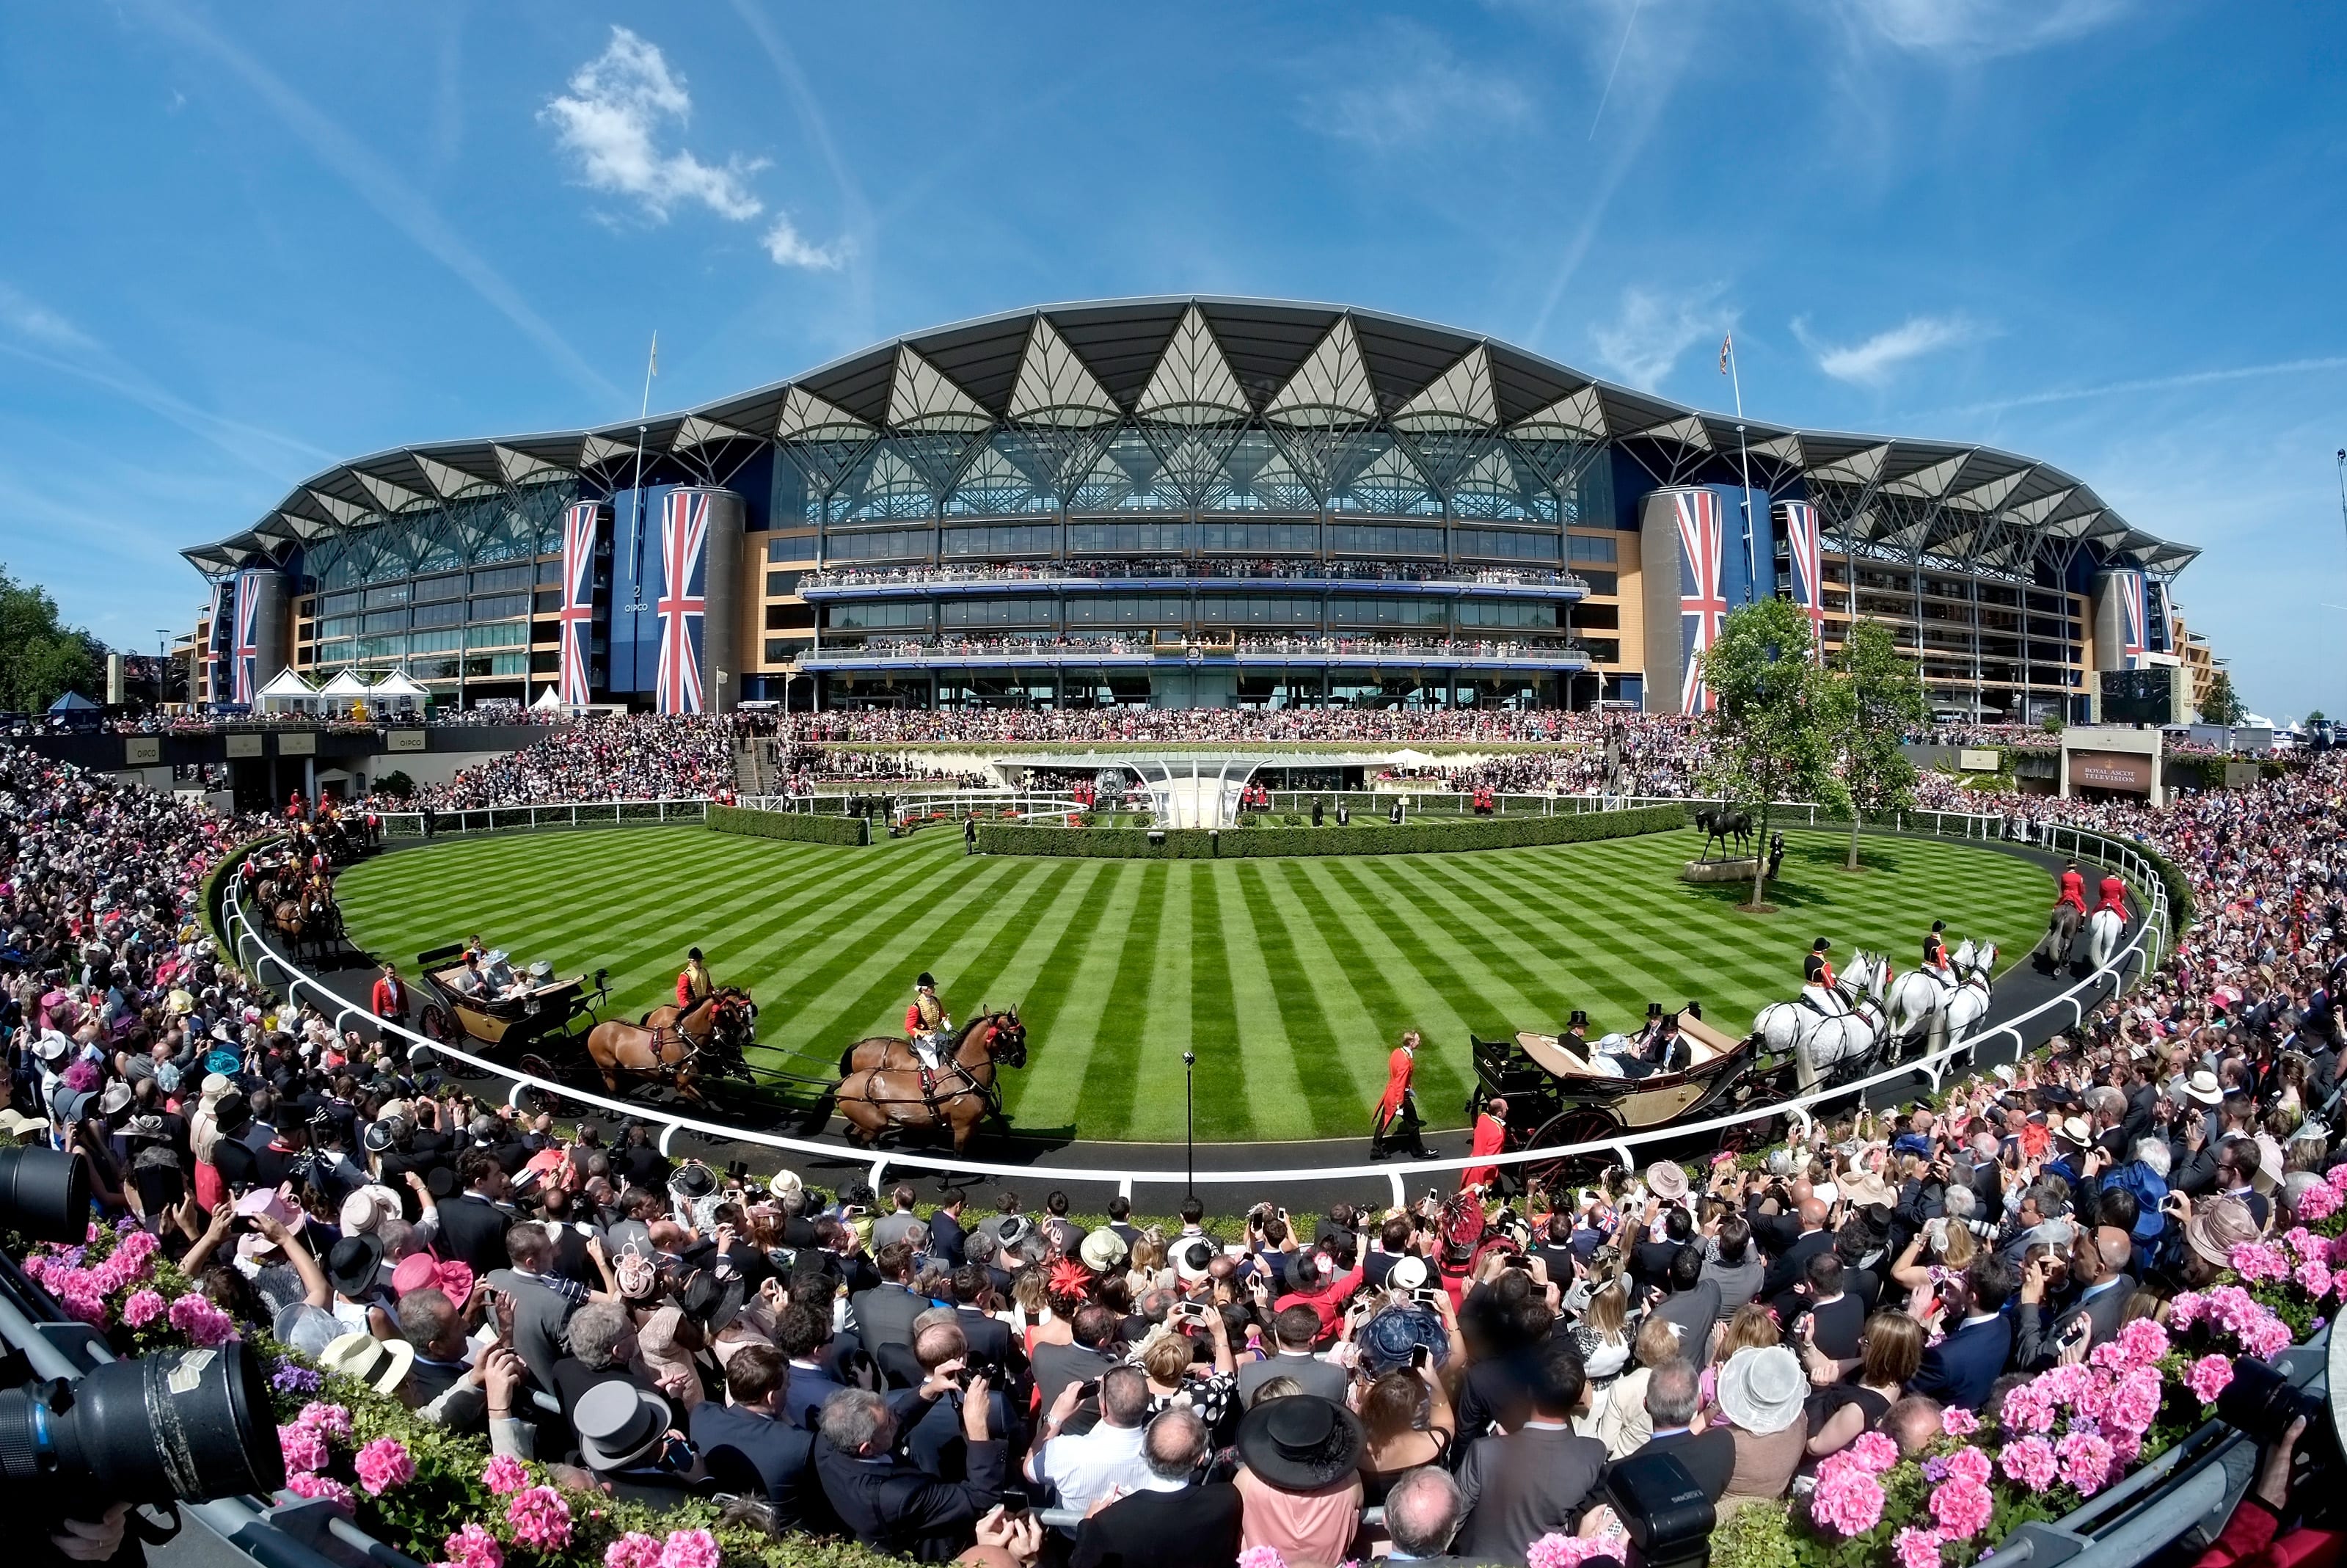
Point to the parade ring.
(2028, 1008)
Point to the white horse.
(1782, 1026)
(1850, 1038)
(1977, 969)
(2104, 929)
(1919, 1001)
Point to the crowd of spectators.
(1159, 568)
(623, 756)
(1190, 1390)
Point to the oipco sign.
(402, 740)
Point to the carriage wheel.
(1583, 1124)
(534, 1100)
(435, 1024)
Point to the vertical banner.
(1703, 607)
(683, 602)
(1805, 546)
(245, 657)
(216, 640)
(2135, 611)
(580, 526)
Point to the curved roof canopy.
(1203, 363)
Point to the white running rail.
(2086, 844)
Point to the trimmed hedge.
(1250, 843)
(807, 826)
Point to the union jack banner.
(1806, 545)
(216, 636)
(580, 526)
(683, 602)
(246, 658)
(2135, 614)
(1703, 607)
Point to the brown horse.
(873, 1100)
(718, 1024)
(2053, 949)
(894, 1050)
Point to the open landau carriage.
(541, 1020)
(1557, 1099)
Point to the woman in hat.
(1762, 1391)
(1299, 1478)
(1622, 1424)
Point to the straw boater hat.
(2202, 1086)
(1666, 1181)
(1406, 1274)
(1102, 1250)
(381, 1364)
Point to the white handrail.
(456, 820)
(1933, 1065)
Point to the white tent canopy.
(548, 702)
(397, 684)
(287, 693)
(344, 687)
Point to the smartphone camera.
(1014, 1502)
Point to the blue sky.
(245, 240)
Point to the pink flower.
(143, 1307)
(2313, 1278)
(201, 1321)
(1916, 1547)
(1958, 1422)
(695, 1549)
(2030, 1462)
(2027, 1409)
(2087, 1462)
(2335, 1179)
(2143, 1340)
(540, 1519)
(383, 1464)
(303, 1448)
(2185, 1310)
(2135, 1400)
(633, 1550)
(2207, 1377)
(331, 1422)
(506, 1474)
(1554, 1551)
(472, 1546)
(84, 1306)
(1847, 1501)
(1968, 1463)
(303, 1483)
(1963, 1506)
(1874, 1452)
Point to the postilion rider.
(2114, 895)
(2074, 890)
(926, 1028)
(1818, 981)
(693, 985)
(1935, 954)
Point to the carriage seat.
(1560, 1060)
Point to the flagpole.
(1744, 461)
(636, 492)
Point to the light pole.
(162, 665)
(1189, 1124)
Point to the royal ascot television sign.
(2111, 770)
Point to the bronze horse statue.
(2053, 949)
(1723, 823)
(718, 1026)
(873, 1100)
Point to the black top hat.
(927, 982)
(1579, 1019)
(1653, 1010)
(1692, 1010)
(1937, 926)
(692, 954)
(1301, 1443)
(1820, 945)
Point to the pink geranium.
(2087, 1460)
(331, 1422)
(1874, 1452)
(689, 1549)
(473, 1546)
(1848, 1500)
(2143, 1340)
(504, 1474)
(303, 1484)
(2027, 1409)
(1958, 1422)
(2313, 1277)
(2031, 1462)
(1554, 1551)
(1916, 1547)
(303, 1448)
(633, 1550)
(2208, 1378)
(1963, 1506)
(1969, 1463)
(143, 1307)
(383, 1464)
(205, 1324)
(540, 1519)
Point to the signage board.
(1979, 759)
(2241, 776)
(142, 751)
(244, 745)
(2111, 770)
(298, 743)
(402, 740)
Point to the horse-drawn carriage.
(1559, 1096)
(542, 1015)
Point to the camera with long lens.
(186, 1425)
(2261, 1401)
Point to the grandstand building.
(1178, 501)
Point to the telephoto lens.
(184, 1424)
(44, 1193)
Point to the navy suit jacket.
(946, 1239)
(1962, 1368)
(783, 1456)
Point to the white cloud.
(617, 103)
(789, 248)
(27, 318)
(1976, 29)
(1653, 329)
(1873, 362)
(1430, 97)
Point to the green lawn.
(1291, 979)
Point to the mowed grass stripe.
(1214, 1012)
(1045, 1000)
(1039, 938)
(1056, 1093)
(1360, 994)
(1266, 1070)
(1519, 970)
(1165, 1031)
(1479, 999)
(1110, 1078)
(1312, 1041)
(406, 892)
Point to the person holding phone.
(1406, 1421)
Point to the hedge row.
(808, 826)
(1248, 842)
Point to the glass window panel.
(382, 647)
(437, 587)
(780, 583)
(900, 544)
(799, 547)
(1383, 540)
(339, 603)
(995, 612)
(498, 607)
(386, 621)
(1504, 545)
(512, 634)
(1259, 539)
(1601, 581)
(1004, 539)
(1591, 548)
(452, 613)
(501, 579)
(1517, 614)
(1124, 539)
(385, 597)
(334, 652)
(885, 614)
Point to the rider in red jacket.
(2113, 896)
(2074, 889)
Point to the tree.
(2221, 706)
(40, 658)
(1772, 726)
(2314, 715)
(1879, 704)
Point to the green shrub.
(808, 826)
(1250, 843)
